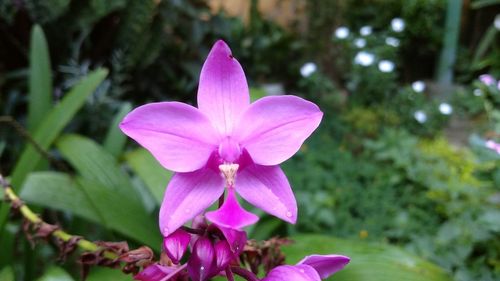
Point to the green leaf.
(94, 202)
(7, 274)
(40, 81)
(373, 262)
(115, 139)
(50, 127)
(100, 273)
(58, 191)
(484, 44)
(109, 189)
(122, 214)
(94, 163)
(55, 273)
(150, 171)
(53, 123)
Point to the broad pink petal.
(267, 187)
(274, 128)
(325, 265)
(223, 89)
(178, 135)
(176, 244)
(231, 214)
(187, 195)
(292, 272)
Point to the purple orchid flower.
(246, 142)
(311, 268)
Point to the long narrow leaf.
(50, 127)
(94, 202)
(94, 163)
(59, 191)
(150, 172)
(53, 123)
(40, 80)
(115, 139)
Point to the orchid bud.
(235, 238)
(201, 264)
(176, 244)
(223, 255)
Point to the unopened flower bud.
(176, 244)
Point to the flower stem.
(229, 274)
(249, 276)
(33, 218)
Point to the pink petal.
(292, 272)
(187, 195)
(154, 272)
(201, 264)
(274, 128)
(236, 238)
(176, 244)
(231, 214)
(223, 90)
(267, 188)
(178, 135)
(325, 265)
(223, 255)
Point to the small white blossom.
(360, 42)
(365, 30)
(420, 116)
(496, 23)
(342, 32)
(445, 108)
(386, 66)
(391, 41)
(398, 24)
(478, 92)
(364, 58)
(418, 86)
(307, 69)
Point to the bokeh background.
(403, 174)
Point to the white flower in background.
(360, 42)
(420, 116)
(342, 32)
(496, 23)
(307, 69)
(418, 86)
(478, 92)
(391, 41)
(445, 108)
(365, 30)
(386, 66)
(398, 24)
(364, 58)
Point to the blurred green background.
(403, 174)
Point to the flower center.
(229, 150)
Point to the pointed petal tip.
(222, 46)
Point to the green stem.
(33, 218)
